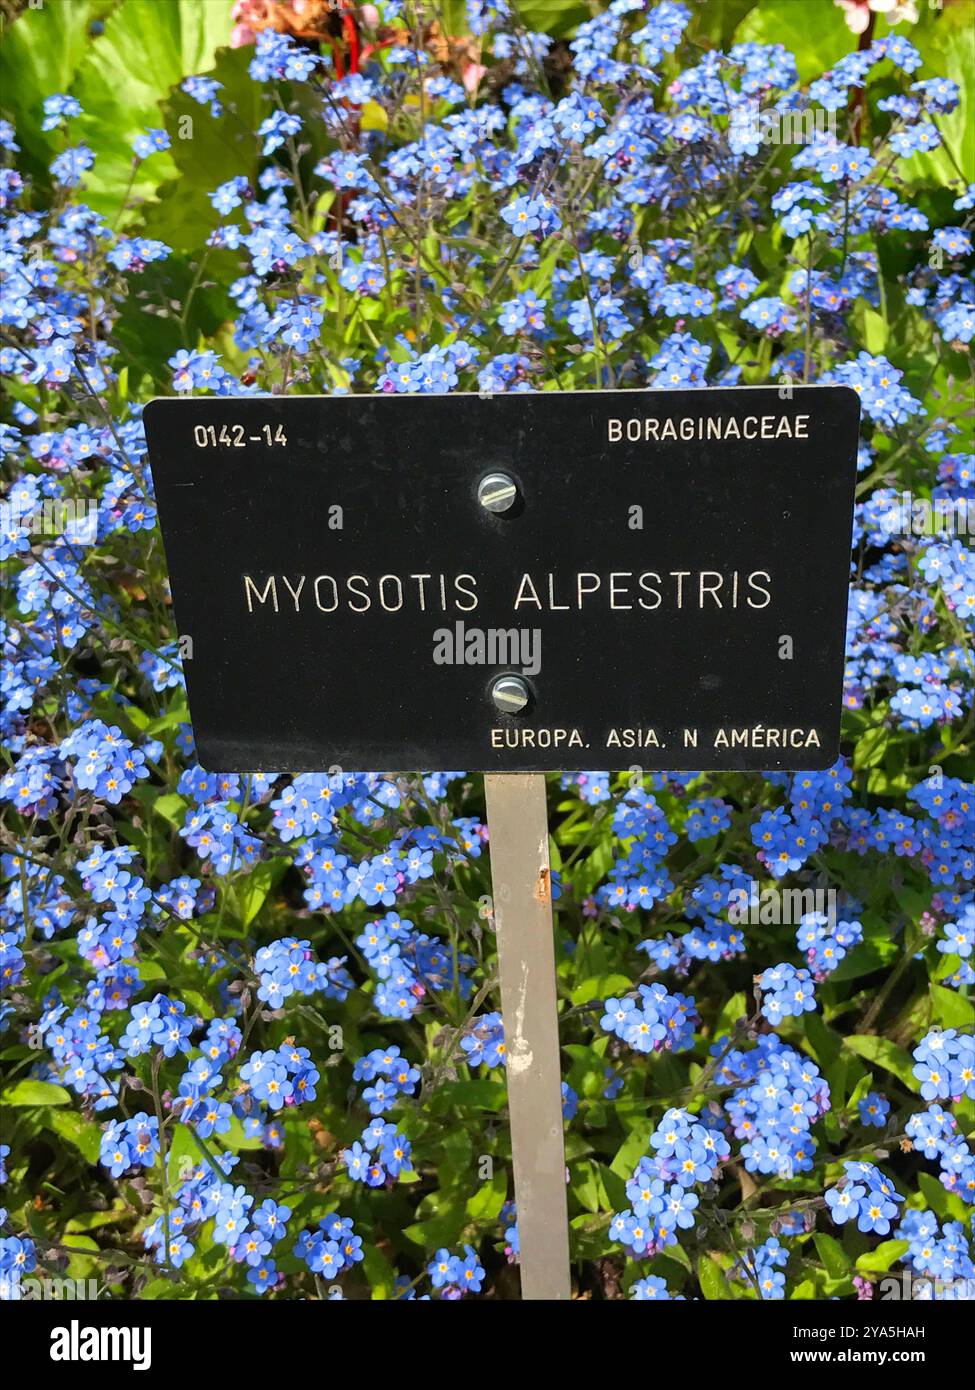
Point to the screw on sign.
(572, 580)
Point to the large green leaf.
(950, 1009)
(147, 49)
(220, 148)
(630, 1152)
(872, 955)
(878, 1261)
(556, 17)
(480, 1094)
(40, 55)
(832, 1254)
(870, 747)
(600, 987)
(716, 22)
(254, 889)
(189, 305)
(183, 1156)
(487, 1201)
(84, 1135)
(934, 1194)
(813, 30)
(36, 1093)
(181, 215)
(946, 42)
(885, 1054)
(712, 1279)
(381, 1274)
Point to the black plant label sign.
(565, 580)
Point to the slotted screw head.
(510, 694)
(497, 493)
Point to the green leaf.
(884, 1053)
(443, 1229)
(172, 807)
(170, 720)
(630, 1152)
(614, 1188)
(480, 1094)
(184, 1155)
(84, 1135)
(588, 1237)
(145, 50)
(221, 147)
(835, 1259)
(36, 1093)
(601, 987)
(556, 17)
(374, 117)
(860, 1090)
(80, 1266)
(40, 54)
(152, 970)
(945, 39)
(874, 336)
(591, 1185)
(678, 1255)
(870, 747)
(458, 1145)
(871, 956)
(256, 886)
(148, 340)
(712, 1279)
(380, 1273)
(731, 1011)
(490, 1197)
(950, 1009)
(595, 867)
(237, 1140)
(156, 1288)
(880, 1260)
(718, 20)
(934, 1194)
(94, 1220)
(815, 33)
(824, 1042)
(945, 967)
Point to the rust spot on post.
(543, 887)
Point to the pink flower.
(472, 76)
(857, 12)
(250, 15)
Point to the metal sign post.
(522, 890)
